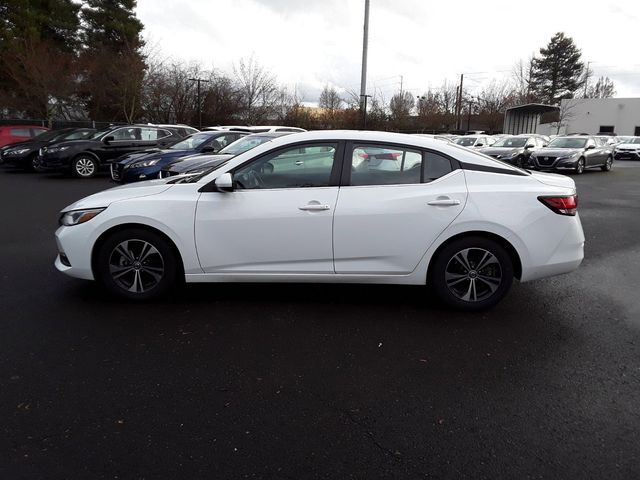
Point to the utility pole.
(199, 81)
(401, 82)
(363, 77)
(459, 102)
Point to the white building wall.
(588, 115)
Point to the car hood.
(554, 179)
(557, 152)
(500, 150)
(124, 192)
(628, 146)
(196, 161)
(149, 154)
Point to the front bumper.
(16, 160)
(54, 161)
(121, 174)
(627, 155)
(556, 164)
(74, 252)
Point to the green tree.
(557, 73)
(38, 45)
(112, 60)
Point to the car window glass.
(375, 165)
(297, 167)
(150, 134)
(20, 132)
(436, 166)
(77, 135)
(129, 133)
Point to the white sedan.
(332, 206)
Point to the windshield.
(634, 140)
(48, 135)
(192, 142)
(100, 133)
(244, 144)
(513, 142)
(466, 141)
(568, 142)
(193, 178)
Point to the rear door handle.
(444, 202)
(314, 207)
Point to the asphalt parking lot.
(319, 381)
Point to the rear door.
(391, 208)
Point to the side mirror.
(545, 144)
(530, 145)
(209, 149)
(224, 183)
(591, 147)
(108, 138)
(479, 144)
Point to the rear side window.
(379, 165)
(436, 166)
(21, 132)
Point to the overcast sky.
(309, 43)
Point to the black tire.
(607, 165)
(33, 164)
(137, 275)
(483, 288)
(579, 166)
(84, 166)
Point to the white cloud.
(310, 43)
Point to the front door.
(278, 219)
(396, 203)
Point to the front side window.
(466, 141)
(294, 167)
(374, 165)
(20, 132)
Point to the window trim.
(348, 160)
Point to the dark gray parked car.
(573, 153)
(514, 150)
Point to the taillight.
(566, 205)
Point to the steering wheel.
(254, 180)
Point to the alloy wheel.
(473, 274)
(580, 166)
(136, 266)
(85, 167)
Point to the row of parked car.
(141, 152)
(135, 152)
(570, 153)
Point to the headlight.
(76, 217)
(146, 163)
(17, 152)
(54, 149)
(567, 157)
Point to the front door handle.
(444, 202)
(314, 207)
(299, 162)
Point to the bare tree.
(493, 100)
(401, 105)
(603, 88)
(257, 89)
(521, 75)
(330, 103)
(565, 114)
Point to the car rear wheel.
(472, 273)
(137, 264)
(580, 166)
(607, 165)
(84, 166)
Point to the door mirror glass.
(209, 149)
(530, 145)
(108, 138)
(479, 144)
(224, 183)
(591, 147)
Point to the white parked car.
(474, 141)
(331, 206)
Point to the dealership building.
(620, 116)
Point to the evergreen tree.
(112, 60)
(557, 72)
(38, 48)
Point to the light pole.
(199, 81)
(363, 76)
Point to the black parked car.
(573, 153)
(200, 163)
(83, 158)
(25, 154)
(146, 165)
(514, 150)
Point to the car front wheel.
(607, 165)
(137, 264)
(84, 166)
(472, 273)
(580, 166)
